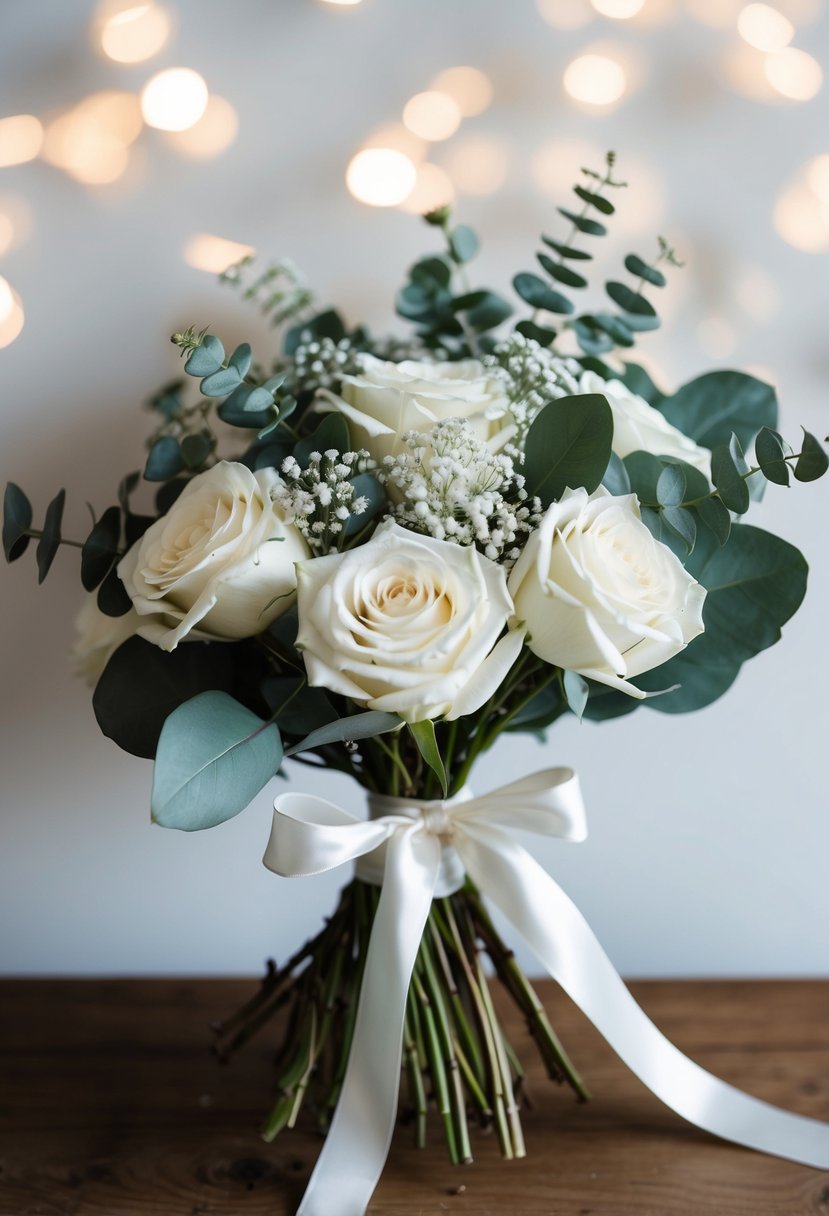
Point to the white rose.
(599, 595)
(221, 559)
(638, 427)
(406, 624)
(97, 636)
(385, 400)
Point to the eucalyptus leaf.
(600, 203)
(367, 486)
(582, 223)
(17, 520)
(640, 268)
(727, 472)
(221, 383)
(164, 460)
(49, 542)
(100, 548)
(568, 445)
(711, 407)
(214, 755)
(423, 734)
(298, 709)
(812, 462)
(355, 726)
(640, 382)
(247, 406)
(576, 690)
(715, 514)
(629, 301)
(615, 478)
(536, 293)
(699, 683)
(670, 486)
(562, 274)
(770, 455)
(113, 599)
(195, 449)
(463, 243)
(241, 359)
(567, 251)
(170, 493)
(681, 521)
(206, 358)
(542, 334)
(332, 433)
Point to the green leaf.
(615, 327)
(755, 583)
(484, 309)
(17, 520)
(576, 690)
(537, 714)
(629, 301)
(770, 455)
(616, 479)
(113, 598)
(49, 542)
(699, 683)
(566, 251)
(100, 548)
(355, 726)
(728, 467)
(463, 244)
(195, 449)
(595, 200)
(568, 444)
(562, 274)
(591, 339)
(423, 734)
(642, 270)
(639, 382)
(536, 293)
(670, 486)
(715, 514)
(221, 383)
(812, 462)
(681, 521)
(541, 334)
(207, 358)
(332, 433)
(135, 526)
(213, 757)
(126, 489)
(659, 530)
(644, 470)
(367, 486)
(164, 460)
(713, 406)
(606, 703)
(297, 708)
(582, 223)
(241, 359)
(169, 493)
(247, 406)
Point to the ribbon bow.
(310, 836)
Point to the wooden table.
(111, 1105)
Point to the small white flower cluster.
(320, 498)
(322, 362)
(532, 375)
(454, 488)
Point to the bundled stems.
(456, 1059)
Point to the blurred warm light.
(433, 188)
(116, 114)
(15, 221)
(716, 336)
(174, 99)
(432, 115)
(757, 293)
(11, 314)
(557, 164)
(381, 177)
(817, 175)
(595, 80)
(801, 219)
(795, 74)
(395, 135)
(21, 138)
(344, 3)
(763, 27)
(620, 10)
(214, 253)
(212, 134)
(477, 164)
(566, 14)
(91, 142)
(470, 89)
(131, 33)
(744, 71)
(721, 14)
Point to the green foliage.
(711, 407)
(538, 295)
(17, 521)
(50, 538)
(770, 455)
(577, 691)
(330, 433)
(367, 486)
(346, 730)
(728, 472)
(616, 479)
(297, 708)
(101, 548)
(568, 444)
(164, 460)
(113, 599)
(812, 462)
(261, 407)
(213, 757)
(423, 734)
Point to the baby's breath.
(320, 498)
(532, 375)
(454, 488)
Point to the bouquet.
(379, 555)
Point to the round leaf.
(49, 542)
(100, 548)
(17, 520)
(568, 445)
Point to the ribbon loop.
(413, 841)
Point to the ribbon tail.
(559, 935)
(355, 1150)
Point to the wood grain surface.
(111, 1105)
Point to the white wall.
(709, 834)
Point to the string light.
(381, 177)
(11, 314)
(470, 88)
(794, 74)
(214, 254)
(212, 134)
(595, 80)
(131, 33)
(91, 141)
(21, 138)
(433, 188)
(432, 116)
(817, 176)
(619, 10)
(764, 28)
(565, 14)
(800, 218)
(174, 99)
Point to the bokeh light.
(381, 177)
(566, 14)
(470, 89)
(756, 293)
(557, 164)
(212, 134)
(720, 14)
(395, 135)
(597, 81)
(15, 221)
(131, 33)
(11, 314)
(765, 28)
(174, 99)
(801, 219)
(619, 10)
(433, 188)
(432, 116)
(477, 164)
(794, 74)
(91, 141)
(743, 69)
(817, 176)
(214, 254)
(21, 138)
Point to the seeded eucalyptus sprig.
(280, 290)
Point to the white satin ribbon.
(310, 836)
